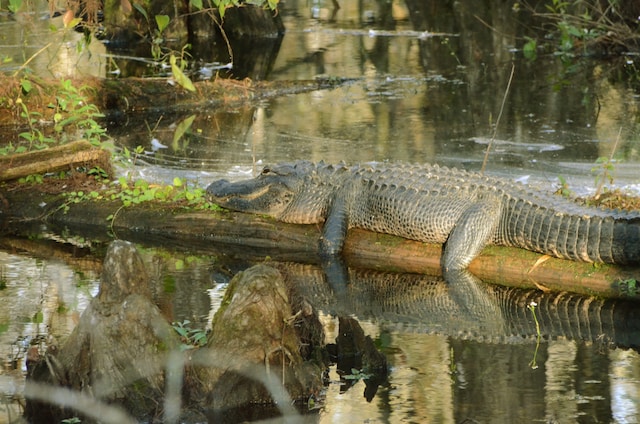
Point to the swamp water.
(417, 96)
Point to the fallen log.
(145, 95)
(62, 157)
(261, 237)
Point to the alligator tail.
(606, 238)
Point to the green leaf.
(179, 264)
(179, 76)
(530, 49)
(197, 4)
(14, 5)
(140, 9)
(182, 127)
(73, 23)
(25, 85)
(177, 182)
(162, 21)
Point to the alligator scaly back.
(462, 210)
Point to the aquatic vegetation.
(190, 338)
(532, 307)
(563, 188)
(140, 191)
(357, 374)
(605, 195)
(629, 286)
(604, 168)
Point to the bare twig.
(33, 56)
(495, 129)
(606, 168)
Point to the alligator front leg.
(332, 241)
(472, 232)
(335, 227)
(474, 229)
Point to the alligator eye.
(266, 171)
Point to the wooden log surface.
(262, 237)
(56, 158)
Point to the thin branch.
(495, 129)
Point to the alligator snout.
(220, 188)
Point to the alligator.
(462, 210)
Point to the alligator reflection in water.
(422, 303)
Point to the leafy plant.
(630, 287)
(72, 110)
(357, 374)
(141, 191)
(190, 337)
(179, 76)
(131, 156)
(603, 170)
(453, 368)
(32, 179)
(3, 278)
(72, 114)
(14, 5)
(581, 25)
(34, 136)
(161, 54)
(564, 189)
(530, 49)
(98, 173)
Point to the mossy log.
(62, 157)
(260, 237)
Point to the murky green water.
(420, 97)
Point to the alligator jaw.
(217, 194)
(252, 196)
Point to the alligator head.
(294, 192)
